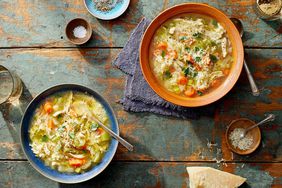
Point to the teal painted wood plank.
(42, 23)
(155, 138)
(141, 174)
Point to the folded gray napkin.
(138, 96)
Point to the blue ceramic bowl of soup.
(39, 164)
(115, 11)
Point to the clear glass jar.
(10, 85)
(268, 9)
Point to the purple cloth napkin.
(138, 96)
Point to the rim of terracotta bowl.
(233, 35)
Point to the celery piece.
(77, 170)
(176, 89)
(98, 157)
(105, 136)
(44, 138)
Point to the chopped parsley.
(199, 93)
(197, 35)
(189, 62)
(214, 22)
(196, 49)
(71, 134)
(187, 71)
(61, 129)
(183, 38)
(94, 126)
(163, 53)
(167, 74)
(190, 73)
(213, 58)
(44, 138)
(198, 59)
(187, 49)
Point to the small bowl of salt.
(78, 31)
(247, 144)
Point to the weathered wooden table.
(34, 45)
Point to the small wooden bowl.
(255, 133)
(73, 24)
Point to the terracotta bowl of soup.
(191, 54)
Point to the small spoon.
(270, 117)
(254, 87)
(114, 135)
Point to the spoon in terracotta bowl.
(240, 28)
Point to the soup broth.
(64, 135)
(191, 55)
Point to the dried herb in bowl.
(105, 5)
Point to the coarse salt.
(241, 143)
(79, 32)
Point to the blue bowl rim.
(42, 171)
(108, 17)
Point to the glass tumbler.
(10, 85)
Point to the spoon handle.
(270, 117)
(254, 87)
(114, 135)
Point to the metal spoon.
(114, 135)
(254, 87)
(270, 117)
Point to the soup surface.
(64, 135)
(190, 55)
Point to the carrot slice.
(100, 130)
(162, 46)
(51, 124)
(171, 69)
(76, 162)
(182, 80)
(48, 107)
(173, 54)
(226, 72)
(190, 91)
(215, 83)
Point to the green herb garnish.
(186, 71)
(198, 59)
(71, 134)
(213, 58)
(44, 138)
(167, 74)
(94, 126)
(189, 62)
(183, 38)
(214, 22)
(199, 93)
(196, 49)
(61, 129)
(197, 35)
(189, 72)
(163, 53)
(187, 49)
